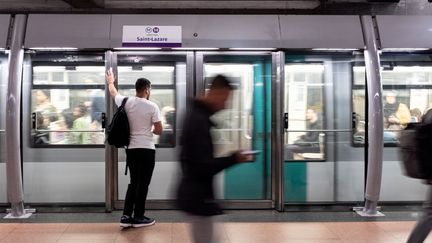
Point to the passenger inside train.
(405, 98)
(308, 142)
(81, 125)
(41, 136)
(396, 116)
(416, 115)
(45, 108)
(97, 107)
(66, 125)
(167, 136)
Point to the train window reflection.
(406, 96)
(158, 75)
(304, 88)
(65, 75)
(67, 105)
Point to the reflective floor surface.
(242, 226)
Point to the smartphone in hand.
(247, 155)
(251, 152)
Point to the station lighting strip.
(53, 48)
(404, 49)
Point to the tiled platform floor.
(238, 226)
(306, 232)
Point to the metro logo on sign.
(151, 36)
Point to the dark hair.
(221, 82)
(82, 109)
(40, 120)
(427, 116)
(142, 84)
(68, 118)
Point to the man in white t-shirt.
(144, 121)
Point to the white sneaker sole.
(143, 225)
(123, 225)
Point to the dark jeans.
(141, 163)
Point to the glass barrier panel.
(244, 124)
(234, 124)
(165, 72)
(304, 86)
(321, 165)
(63, 147)
(406, 96)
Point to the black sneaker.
(126, 221)
(142, 222)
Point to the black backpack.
(415, 149)
(118, 130)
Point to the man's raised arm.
(110, 80)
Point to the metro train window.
(67, 105)
(407, 94)
(304, 96)
(162, 93)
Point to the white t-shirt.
(142, 113)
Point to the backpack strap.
(122, 106)
(124, 102)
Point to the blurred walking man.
(195, 192)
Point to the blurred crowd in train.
(80, 125)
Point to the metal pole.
(190, 76)
(13, 121)
(200, 84)
(111, 153)
(375, 117)
(278, 130)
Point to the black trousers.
(293, 148)
(141, 164)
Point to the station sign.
(151, 36)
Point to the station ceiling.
(398, 7)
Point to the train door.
(245, 124)
(63, 140)
(167, 72)
(321, 163)
(3, 90)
